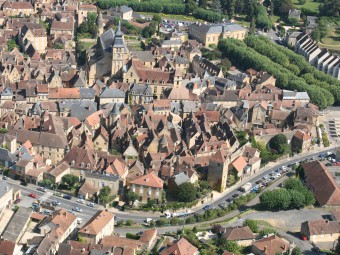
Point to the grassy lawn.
(310, 4)
(85, 45)
(274, 18)
(172, 16)
(241, 20)
(333, 39)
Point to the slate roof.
(112, 93)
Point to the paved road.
(260, 175)
(139, 217)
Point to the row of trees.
(294, 195)
(166, 7)
(246, 57)
(296, 64)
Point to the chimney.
(265, 248)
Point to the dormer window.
(72, 163)
(87, 165)
(82, 164)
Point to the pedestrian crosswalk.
(45, 196)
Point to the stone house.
(147, 187)
(242, 235)
(99, 226)
(35, 35)
(301, 141)
(321, 230)
(270, 245)
(212, 33)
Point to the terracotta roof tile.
(182, 247)
(321, 183)
(97, 223)
(149, 180)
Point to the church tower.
(120, 54)
(100, 23)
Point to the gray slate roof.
(112, 93)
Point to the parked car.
(81, 201)
(79, 220)
(16, 201)
(58, 194)
(67, 197)
(56, 203)
(47, 212)
(222, 206)
(71, 211)
(207, 207)
(236, 195)
(329, 164)
(42, 189)
(4, 177)
(90, 204)
(33, 195)
(77, 209)
(23, 183)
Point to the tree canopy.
(186, 192)
(279, 143)
(70, 180)
(105, 195)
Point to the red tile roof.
(321, 183)
(149, 180)
(182, 247)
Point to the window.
(82, 164)
(141, 190)
(131, 74)
(72, 163)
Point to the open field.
(310, 4)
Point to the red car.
(33, 195)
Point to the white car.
(90, 204)
(79, 220)
(81, 201)
(56, 203)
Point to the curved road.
(140, 217)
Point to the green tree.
(252, 224)
(129, 222)
(262, 19)
(131, 196)
(296, 251)
(186, 192)
(157, 18)
(232, 246)
(11, 44)
(279, 143)
(70, 180)
(266, 231)
(47, 182)
(302, 2)
(191, 6)
(202, 3)
(105, 195)
(297, 199)
(239, 6)
(216, 6)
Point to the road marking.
(45, 196)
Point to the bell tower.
(120, 54)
